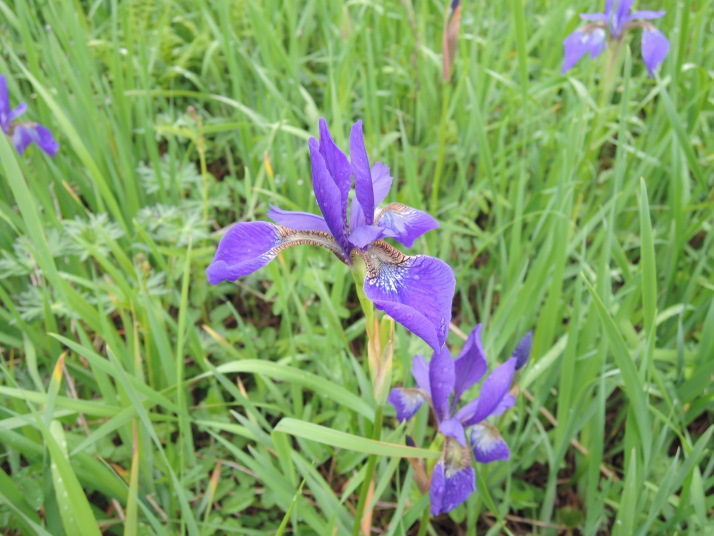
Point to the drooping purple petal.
(655, 47)
(328, 195)
(471, 364)
(5, 111)
(364, 191)
(441, 381)
(488, 445)
(23, 134)
(248, 246)
(337, 165)
(363, 235)
(647, 15)
(580, 42)
(523, 350)
(406, 402)
(452, 480)
(453, 428)
(493, 390)
(405, 224)
(302, 221)
(420, 371)
(381, 182)
(414, 291)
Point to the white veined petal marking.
(386, 266)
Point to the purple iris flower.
(415, 291)
(615, 22)
(453, 478)
(23, 133)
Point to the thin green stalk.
(371, 462)
(424, 523)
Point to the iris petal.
(452, 480)
(364, 190)
(328, 195)
(406, 402)
(488, 445)
(248, 246)
(471, 363)
(364, 235)
(420, 371)
(655, 47)
(25, 134)
(381, 182)
(405, 224)
(441, 380)
(414, 291)
(493, 390)
(579, 43)
(454, 428)
(303, 221)
(523, 350)
(5, 111)
(337, 165)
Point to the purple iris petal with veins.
(414, 290)
(441, 383)
(23, 133)
(614, 23)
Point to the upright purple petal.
(414, 291)
(507, 403)
(248, 246)
(621, 17)
(452, 480)
(523, 350)
(647, 15)
(655, 47)
(406, 402)
(471, 364)
(5, 111)
(381, 182)
(23, 134)
(608, 7)
(328, 195)
(302, 221)
(420, 371)
(364, 191)
(363, 235)
(580, 42)
(488, 445)
(493, 391)
(337, 165)
(441, 381)
(405, 224)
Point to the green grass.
(138, 399)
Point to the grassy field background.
(137, 399)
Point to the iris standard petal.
(493, 390)
(381, 182)
(420, 371)
(406, 402)
(621, 17)
(5, 111)
(471, 364)
(328, 195)
(488, 445)
(363, 235)
(647, 15)
(303, 221)
(441, 380)
(364, 190)
(248, 246)
(405, 224)
(453, 478)
(414, 291)
(17, 111)
(655, 47)
(523, 350)
(337, 164)
(24, 134)
(579, 43)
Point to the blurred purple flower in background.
(23, 133)
(614, 24)
(453, 478)
(415, 291)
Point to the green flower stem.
(371, 463)
(424, 524)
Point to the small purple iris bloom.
(23, 133)
(453, 478)
(414, 291)
(615, 21)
